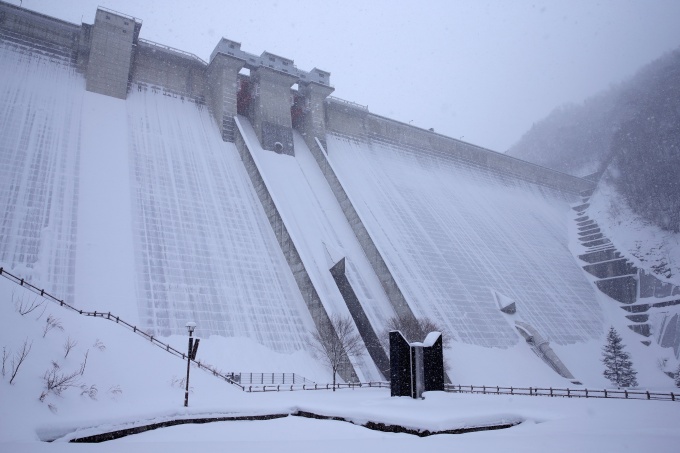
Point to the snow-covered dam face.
(137, 206)
(40, 114)
(204, 249)
(157, 221)
(453, 233)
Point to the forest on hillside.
(632, 129)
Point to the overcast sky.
(483, 71)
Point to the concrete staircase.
(637, 291)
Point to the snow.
(646, 245)
(453, 231)
(656, 253)
(104, 241)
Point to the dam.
(240, 194)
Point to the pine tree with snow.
(618, 366)
(677, 377)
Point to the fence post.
(498, 390)
(511, 389)
(648, 395)
(672, 396)
(605, 393)
(586, 393)
(568, 393)
(626, 392)
(484, 389)
(551, 393)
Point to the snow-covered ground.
(138, 383)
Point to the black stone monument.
(417, 367)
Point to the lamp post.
(190, 327)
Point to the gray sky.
(480, 70)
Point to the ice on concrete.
(453, 233)
(40, 125)
(204, 250)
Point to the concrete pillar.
(314, 120)
(108, 69)
(271, 109)
(223, 86)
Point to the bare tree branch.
(413, 330)
(19, 358)
(56, 381)
(52, 323)
(337, 343)
(23, 306)
(5, 356)
(68, 345)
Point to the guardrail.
(172, 49)
(563, 393)
(293, 387)
(348, 103)
(269, 378)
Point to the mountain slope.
(576, 139)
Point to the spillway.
(319, 230)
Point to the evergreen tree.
(677, 377)
(618, 367)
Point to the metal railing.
(266, 386)
(294, 387)
(563, 393)
(230, 378)
(269, 378)
(127, 16)
(171, 49)
(348, 103)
